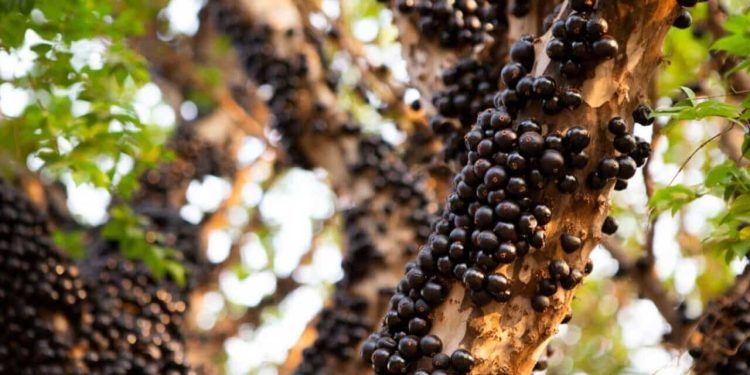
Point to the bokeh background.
(278, 245)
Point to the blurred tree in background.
(253, 186)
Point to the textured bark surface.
(391, 229)
(507, 338)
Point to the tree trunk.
(507, 338)
(388, 208)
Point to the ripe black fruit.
(578, 160)
(571, 98)
(588, 267)
(567, 184)
(624, 143)
(517, 186)
(527, 224)
(582, 5)
(576, 139)
(618, 126)
(506, 139)
(556, 49)
(474, 279)
(538, 239)
(528, 125)
(540, 303)
(531, 143)
(621, 184)
(506, 253)
(505, 231)
(575, 25)
(430, 345)
(544, 86)
(543, 214)
(610, 225)
(396, 364)
(608, 168)
(523, 52)
(558, 268)
(516, 162)
(409, 347)
(628, 167)
(441, 361)
(511, 73)
(419, 327)
(570, 243)
(642, 115)
(462, 361)
(507, 211)
(487, 241)
(596, 28)
(432, 292)
(558, 29)
(405, 308)
(495, 178)
(547, 287)
(497, 283)
(380, 358)
(525, 87)
(482, 218)
(595, 181)
(606, 47)
(683, 20)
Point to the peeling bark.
(508, 338)
(368, 176)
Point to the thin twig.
(700, 147)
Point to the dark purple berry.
(610, 225)
(642, 115)
(683, 20)
(540, 303)
(462, 361)
(570, 243)
(617, 126)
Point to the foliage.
(80, 120)
(127, 229)
(729, 180)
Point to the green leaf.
(689, 93)
(687, 110)
(737, 38)
(720, 175)
(25, 6)
(71, 242)
(129, 231)
(672, 198)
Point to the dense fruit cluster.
(345, 324)
(580, 41)
(113, 319)
(725, 346)
(204, 157)
(633, 152)
(135, 322)
(285, 76)
(340, 330)
(460, 23)
(495, 215)
(470, 86)
(39, 291)
(177, 234)
(522, 87)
